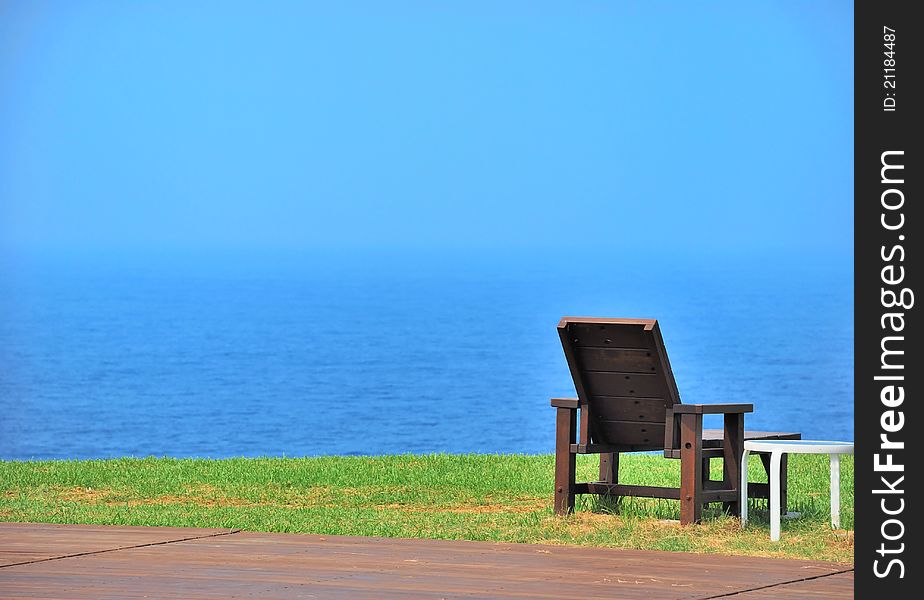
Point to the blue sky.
(721, 126)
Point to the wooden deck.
(89, 561)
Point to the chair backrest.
(623, 379)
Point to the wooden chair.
(628, 402)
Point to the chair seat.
(712, 438)
(712, 441)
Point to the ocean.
(302, 354)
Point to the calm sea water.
(371, 354)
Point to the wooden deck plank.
(833, 587)
(294, 566)
(28, 542)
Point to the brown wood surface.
(628, 335)
(627, 360)
(585, 427)
(732, 449)
(713, 409)
(29, 542)
(712, 439)
(565, 460)
(604, 386)
(259, 565)
(565, 402)
(622, 375)
(628, 401)
(825, 587)
(630, 408)
(641, 436)
(691, 468)
(609, 467)
(618, 489)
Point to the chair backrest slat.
(623, 378)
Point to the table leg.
(835, 491)
(784, 485)
(744, 488)
(775, 458)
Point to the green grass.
(504, 498)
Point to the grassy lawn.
(504, 498)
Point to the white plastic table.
(777, 448)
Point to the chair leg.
(732, 450)
(707, 477)
(691, 468)
(565, 435)
(609, 467)
(609, 470)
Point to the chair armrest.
(565, 402)
(712, 409)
